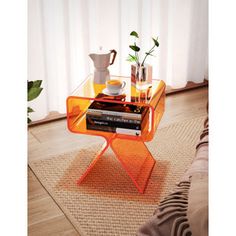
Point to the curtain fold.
(62, 33)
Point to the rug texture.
(107, 202)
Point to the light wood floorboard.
(44, 216)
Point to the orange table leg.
(136, 159)
(92, 164)
(133, 155)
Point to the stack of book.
(117, 118)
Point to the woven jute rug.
(107, 202)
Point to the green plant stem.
(136, 54)
(142, 64)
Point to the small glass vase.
(141, 76)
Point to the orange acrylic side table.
(130, 150)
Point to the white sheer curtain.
(61, 34)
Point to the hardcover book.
(105, 117)
(114, 130)
(116, 109)
(93, 121)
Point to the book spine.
(114, 130)
(101, 128)
(114, 113)
(128, 131)
(93, 121)
(113, 119)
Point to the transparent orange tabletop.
(130, 150)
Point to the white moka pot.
(101, 61)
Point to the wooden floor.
(44, 216)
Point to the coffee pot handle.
(114, 55)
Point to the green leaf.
(135, 34)
(135, 48)
(155, 42)
(37, 83)
(29, 120)
(30, 84)
(30, 110)
(33, 93)
(131, 59)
